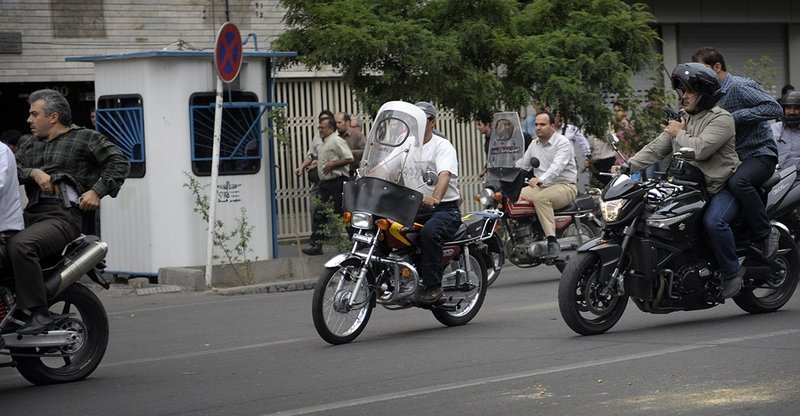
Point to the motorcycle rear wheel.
(335, 320)
(81, 359)
(778, 287)
(584, 309)
(474, 299)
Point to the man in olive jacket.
(710, 131)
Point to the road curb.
(276, 287)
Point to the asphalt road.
(258, 355)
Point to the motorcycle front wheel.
(52, 365)
(771, 292)
(336, 320)
(469, 298)
(585, 309)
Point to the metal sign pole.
(212, 192)
(228, 61)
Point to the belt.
(448, 204)
(49, 201)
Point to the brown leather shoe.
(430, 294)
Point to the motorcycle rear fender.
(607, 252)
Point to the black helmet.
(694, 76)
(791, 98)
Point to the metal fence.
(306, 98)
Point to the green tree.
(469, 56)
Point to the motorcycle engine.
(526, 245)
(689, 278)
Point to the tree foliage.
(475, 55)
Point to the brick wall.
(52, 30)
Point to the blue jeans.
(720, 214)
(750, 174)
(441, 225)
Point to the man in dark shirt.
(66, 169)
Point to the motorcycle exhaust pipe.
(74, 266)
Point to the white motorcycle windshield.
(506, 144)
(395, 142)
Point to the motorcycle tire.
(89, 320)
(583, 308)
(335, 320)
(778, 287)
(590, 230)
(474, 301)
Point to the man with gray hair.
(66, 169)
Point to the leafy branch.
(236, 255)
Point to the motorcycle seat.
(461, 233)
(581, 203)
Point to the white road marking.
(524, 374)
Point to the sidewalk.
(291, 271)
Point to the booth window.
(121, 119)
(240, 137)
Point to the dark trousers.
(441, 225)
(720, 213)
(329, 191)
(90, 222)
(750, 174)
(48, 229)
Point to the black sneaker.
(312, 250)
(553, 249)
(39, 323)
(732, 286)
(430, 294)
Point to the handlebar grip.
(684, 183)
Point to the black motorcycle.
(75, 345)
(654, 251)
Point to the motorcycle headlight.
(362, 220)
(486, 197)
(612, 209)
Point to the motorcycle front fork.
(616, 282)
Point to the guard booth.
(159, 107)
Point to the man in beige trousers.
(553, 184)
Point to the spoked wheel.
(589, 231)
(583, 305)
(86, 317)
(769, 293)
(337, 320)
(467, 300)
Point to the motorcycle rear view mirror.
(612, 140)
(430, 178)
(535, 162)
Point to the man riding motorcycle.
(709, 130)
(553, 184)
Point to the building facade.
(36, 37)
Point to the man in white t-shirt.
(439, 211)
(553, 184)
